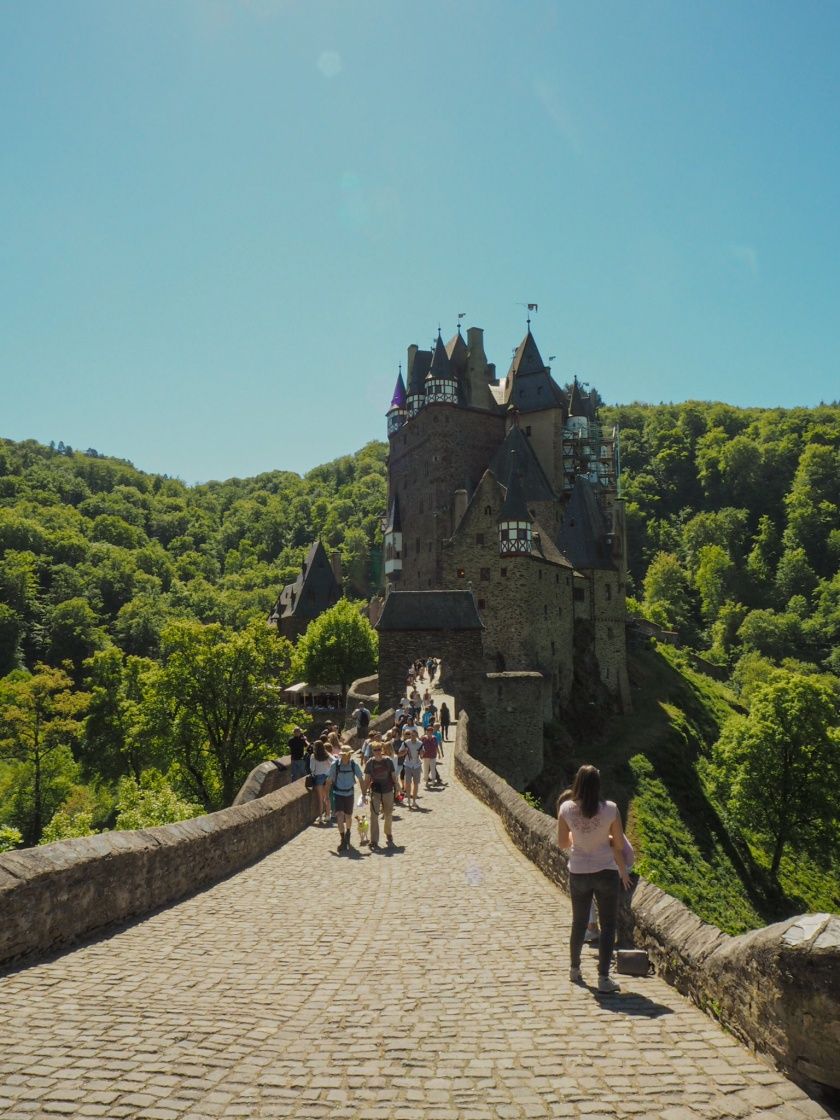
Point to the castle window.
(479, 538)
(481, 604)
(539, 573)
(557, 577)
(405, 548)
(552, 646)
(430, 546)
(527, 429)
(608, 590)
(568, 580)
(485, 574)
(417, 544)
(461, 573)
(545, 611)
(504, 572)
(488, 510)
(430, 581)
(580, 594)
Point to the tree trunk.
(778, 849)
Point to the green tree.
(780, 768)
(11, 628)
(72, 632)
(40, 719)
(117, 740)
(666, 593)
(713, 579)
(338, 646)
(215, 703)
(150, 800)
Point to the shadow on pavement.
(631, 1003)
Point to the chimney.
(459, 507)
(335, 564)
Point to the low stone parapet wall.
(265, 778)
(53, 895)
(777, 988)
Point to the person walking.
(591, 827)
(429, 754)
(342, 778)
(297, 753)
(410, 754)
(445, 720)
(362, 718)
(381, 780)
(320, 764)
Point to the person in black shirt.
(297, 752)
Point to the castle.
(508, 488)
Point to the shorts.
(344, 803)
(319, 779)
(412, 773)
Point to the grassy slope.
(652, 763)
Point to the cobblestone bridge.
(429, 983)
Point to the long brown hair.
(321, 752)
(586, 790)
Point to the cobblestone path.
(426, 984)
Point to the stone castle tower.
(509, 488)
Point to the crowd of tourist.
(388, 769)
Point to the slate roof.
(456, 348)
(430, 610)
(535, 485)
(580, 403)
(529, 384)
(315, 588)
(514, 507)
(440, 366)
(583, 534)
(418, 371)
(398, 399)
(544, 548)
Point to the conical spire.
(440, 366)
(398, 399)
(529, 384)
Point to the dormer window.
(515, 538)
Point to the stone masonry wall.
(525, 602)
(777, 988)
(511, 741)
(441, 448)
(53, 895)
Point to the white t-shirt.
(591, 849)
(412, 749)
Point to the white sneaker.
(575, 976)
(605, 984)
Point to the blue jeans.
(298, 768)
(604, 885)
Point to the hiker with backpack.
(381, 780)
(342, 780)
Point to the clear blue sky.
(223, 221)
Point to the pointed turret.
(397, 413)
(441, 384)
(515, 521)
(529, 383)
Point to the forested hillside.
(137, 675)
(732, 789)
(102, 569)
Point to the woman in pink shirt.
(592, 828)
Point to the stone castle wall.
(777, 988)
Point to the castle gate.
(443, 624)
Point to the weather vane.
(531, 307)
